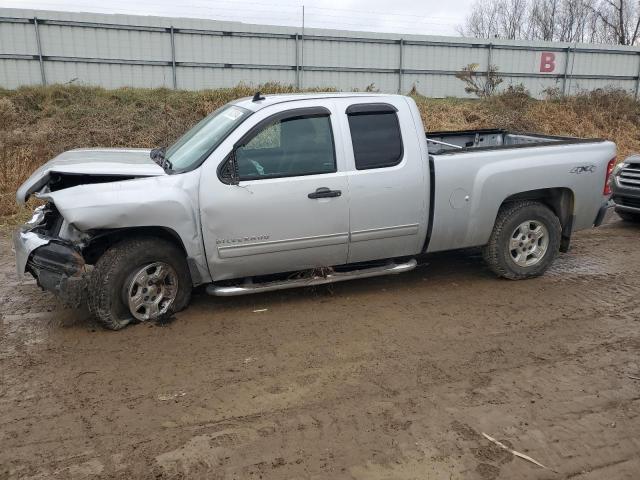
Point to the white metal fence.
(45, 47)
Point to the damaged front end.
(51, 251)
(50, 248)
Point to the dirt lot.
(386, 378)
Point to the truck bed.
(491, 139)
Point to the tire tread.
(100, 286)
(492, 252)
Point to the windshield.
(204, 137)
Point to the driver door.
(289, 210)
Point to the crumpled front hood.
(94, 161)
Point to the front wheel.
(138, 279)
(524, 242)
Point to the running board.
(248, 287)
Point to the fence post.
(400, 66)
(566, 72)
(489, 55)
(35, 26)
(173, 57)
(302, 59)
(638, 79)
(297, 62)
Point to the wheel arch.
(101, 240)
(560, 200)
(104, 239)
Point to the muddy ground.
(387, 378)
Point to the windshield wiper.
(158, 156)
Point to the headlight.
(38, 217)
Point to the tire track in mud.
(359, 423)
(389, 378)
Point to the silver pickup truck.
(297, 190)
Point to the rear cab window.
(375, 135)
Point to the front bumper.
(627, 199)
(25, 242)
(627, 204)
(57, 266)
(621, 207)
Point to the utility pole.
(302, 51)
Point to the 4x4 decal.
(583, 169)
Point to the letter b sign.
(547, 62)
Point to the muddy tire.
(524, 242)
(117, 273)
(629, 217)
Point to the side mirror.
(230, 170)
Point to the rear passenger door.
(388, 180)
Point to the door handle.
(324, 192)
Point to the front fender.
(169, 202)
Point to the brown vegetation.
(482, 85)
(38, 123)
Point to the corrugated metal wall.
(39, 47)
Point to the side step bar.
(248, 287)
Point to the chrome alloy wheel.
(528, 243)
(152, 290)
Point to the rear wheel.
(524, 242)
(138, 279)
(628, 217)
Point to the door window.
(286, 147)
(375, 135)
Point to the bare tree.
(511, 19)
(573, 21)
(594, 21)
(543, 19)
(482, 22)
(621, 20)
(495, 18)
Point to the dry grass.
(38, 123)
(613, 115)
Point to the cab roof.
(249, 104)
